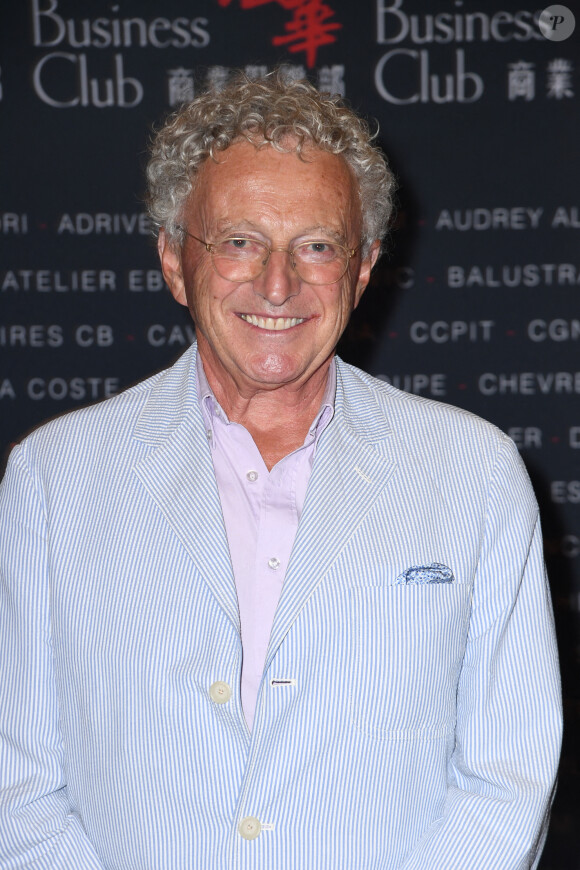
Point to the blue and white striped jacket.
(408, 715)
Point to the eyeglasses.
(241, 259)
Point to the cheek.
(197, 283)
(209, 299)
(343, 301)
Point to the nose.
(279, 281)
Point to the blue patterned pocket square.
(433, 573)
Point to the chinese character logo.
(310, 27)
(217, 77)
(560, 79)
(521, 81)
(180, 84)
(331, 79)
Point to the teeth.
(277, 323)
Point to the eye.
(238, 246)
(317, 247)
(317, 252)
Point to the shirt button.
(250, 828)
(220, 692)
(273, 563)
(252, 476)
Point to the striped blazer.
(408, 716)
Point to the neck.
(278, 418)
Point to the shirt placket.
(277, 527)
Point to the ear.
(171, 267)
(365, 270)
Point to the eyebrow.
(227, 227)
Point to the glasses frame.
(210, 246)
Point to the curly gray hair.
(269, 109)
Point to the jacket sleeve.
(37, 827)
(503, 768)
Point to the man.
(262, 610)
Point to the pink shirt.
(261, 511)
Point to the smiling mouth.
(275, 323)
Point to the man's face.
(281, 200)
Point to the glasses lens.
(239, 259)
(320, 262)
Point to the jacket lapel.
(178, 475)
(350, 472)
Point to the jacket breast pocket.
(406, 645)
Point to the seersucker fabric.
(398, 726)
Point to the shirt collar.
(212, 410)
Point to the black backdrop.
(476, 303)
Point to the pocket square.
(433, 573)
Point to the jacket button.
(220, 692)
(250, 828)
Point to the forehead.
(262, 182)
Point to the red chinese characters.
(309, 28)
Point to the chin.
(274, 369)
(273, 379)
